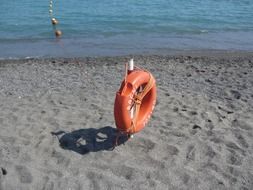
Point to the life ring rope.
(137, 99)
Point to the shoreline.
(125, 45)
(205, 53)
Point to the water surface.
(116, 27)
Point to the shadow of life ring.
(135, 101)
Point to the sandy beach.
(57, 125)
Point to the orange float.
(134, 101)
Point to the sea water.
(118, 27)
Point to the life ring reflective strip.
(129, 97)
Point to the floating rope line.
(54, 21)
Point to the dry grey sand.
(57, 125)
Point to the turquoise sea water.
(116, 27)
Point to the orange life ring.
(137, 92)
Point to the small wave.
(17, 58)
(204, 31)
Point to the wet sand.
(57, 125)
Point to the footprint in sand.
(144, 145)
(235, 94)
(233, 171)
(4, 171)
(124, 171)
(196, 127)
(233, 146)
(240, 139)
(24, 174)
(48, 185)
(94, 179)
(210, 152)
(192, 113)
(60, 158)
(234, 158)
(241, 124)
(167, 152)
(190, 155)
